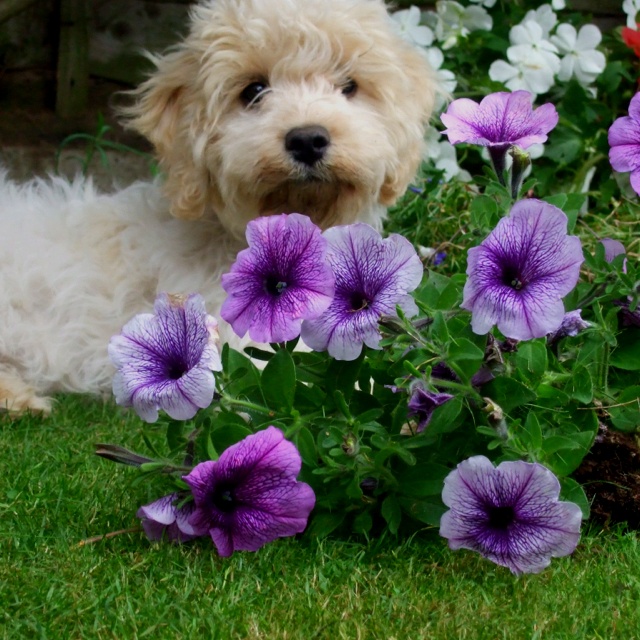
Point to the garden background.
(54, 495)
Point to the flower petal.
(250, 495)
(372, 276)
(281, 279)
(520, 273)
(509, 514)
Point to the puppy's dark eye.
(253, 93)
(349, 88)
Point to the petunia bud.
(521, 162)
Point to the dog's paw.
(17, 397)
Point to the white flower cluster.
(631, 8)
(542, 51)
(445, 26)
(449, 23)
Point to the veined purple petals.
(518, 276)
(510, 514)
(250, 496)
(373, 275)
(282, 279)
(500, 119)
(166, 360)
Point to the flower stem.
(247, 405)
(498, 155)
(106, 536)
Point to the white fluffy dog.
(267, 106)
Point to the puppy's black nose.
(307, 144)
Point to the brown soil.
(610, 474)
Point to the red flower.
(631, 38)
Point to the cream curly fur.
(76, 265)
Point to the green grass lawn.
(54, 493)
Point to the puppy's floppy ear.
(414, 102)
(166, 112)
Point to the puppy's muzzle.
(307, 145)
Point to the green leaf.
(572, 491)
(362, 523)
(467, 356)
(439, 328)
(223, 438)
(627, 354)
(306, 446)
(484, 212)
(278, 382)
(425, 511)
(239, 369)
(343, 374)
(626, 414)
(392, 513)
(449, 298)
(429, 294)
(508, 393)
(322, 524)
(422, 479)
(446, 418)
(175, 438)
(567, 459)
(532, 432)
(353, 490)
(531, 358)
(557, 200)
(564, 146)
(371, 415)
(211, 450)
(580, 385)
(258, 354)
(556, 443)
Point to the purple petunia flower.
(501, 119)
(572, 324)
(510, 514)
(165, 360)
(613, 249)
(520, 273)
(250, 496)
(280, 280)
(373, 275)
(423, 403)
(624, 140)
(161, 519)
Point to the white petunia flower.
(558, 4)
(516, 76)
(452, 21)
(533, 61)
(485, 3)
(530, 48)
(631, 8)
(544, 16)
(446, 80)
(408, 25)
(581, 59)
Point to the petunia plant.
(393, 387)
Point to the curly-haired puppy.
(312, 106)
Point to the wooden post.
(72, 87)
